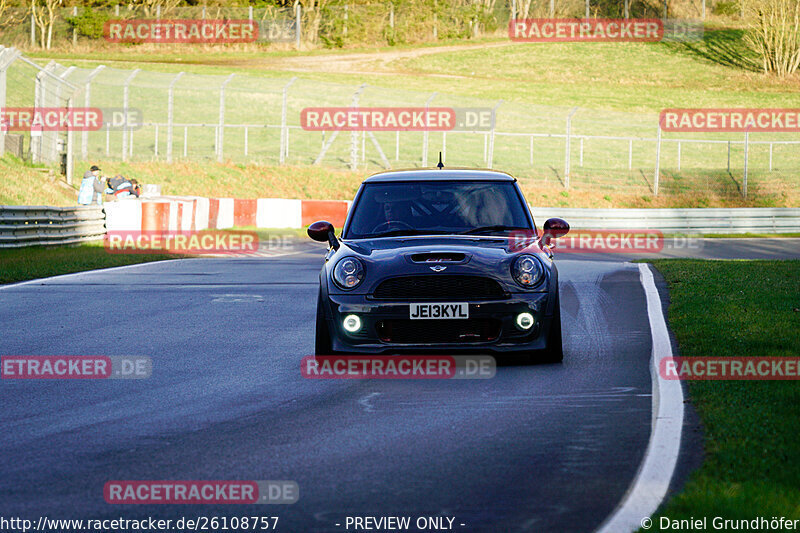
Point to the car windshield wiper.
(485, 229)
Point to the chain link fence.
(243, 119)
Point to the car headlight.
(527, 270)
(348, 273)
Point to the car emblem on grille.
(438, 268)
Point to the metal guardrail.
(22, 225)
(690, 220)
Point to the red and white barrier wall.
(188, 213)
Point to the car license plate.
(439, 310)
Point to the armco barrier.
(36, 225)
(693, 220)
(42, 225)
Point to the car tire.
(322, 338)
(554, 351)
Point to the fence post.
(346, 16)
(444, 146)
(7, 57)
(531, 151)
(391, 15)
(171, 114)
(297, 24)
(552, 8)
(630, 154)
(425, 133)
(70, 147)
(397, 145)
(33, 29)
(704, 10)
(746, 150)
(353, 134)
(581, 159)
(729, 157)
(221, 131)
(587, 9)
(658, 161)
(155, 144)
(74, 28)
(245, 141)
(284, 132)
(567, 147)
(679, 155)
(87, 99)
(185, 141)
(491, 138)
(627, 9)
(125, 91)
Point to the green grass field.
(20, 264)
(752, 455)
(618, 89)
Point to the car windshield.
(430, 208)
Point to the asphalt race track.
(537, 448)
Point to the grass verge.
(21, 264)
(752, 461)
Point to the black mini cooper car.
(436, 261)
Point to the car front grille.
(472, 330)
(437, 287)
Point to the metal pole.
(567, 147)
(245, 141)
(74, 30)
(363, 146)
(70, 148)
(552, 8)
(630, 154)
(658, 161)
(679, 155)
(729, 157)
(221, 135)
(491, 138)
(587, 9)
(87, 98)
(108, 141)
(444, 146)
(170, 114)
(155, 144)
(185, 141)
(284, 131)
(425, 133)
(627, 9)
(125, 91)
(581, 158)
(397, 146)
(704, 10)
(746, 153)
(33, 29)
(531, 151)
(7, 57)
(353, 134)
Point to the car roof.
(435, 174)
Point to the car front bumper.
(387, 328)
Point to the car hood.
(458, 254)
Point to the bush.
(89, 23)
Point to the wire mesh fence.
(242, 119)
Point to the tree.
(774, 34)
(44, 15)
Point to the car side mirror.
(323, 231)
(553, 229)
